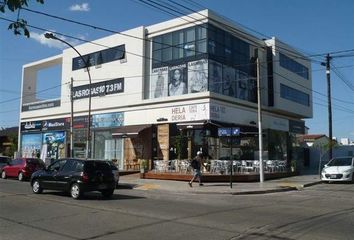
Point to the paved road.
(325, 211)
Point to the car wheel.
(75, 191)
(3, 175)
(36, 187)
(20, 176)
(107, 193)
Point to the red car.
(22, 168)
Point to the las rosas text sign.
(99, 89)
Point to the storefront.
(170, 103)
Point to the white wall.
(131, 69)
(284, 76)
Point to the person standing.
(196, 164)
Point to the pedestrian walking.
(196, 164)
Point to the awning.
(190, 125)
(130, 131)
(196, 124)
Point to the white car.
(338, 169)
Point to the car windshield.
(340, 162)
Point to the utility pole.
(260, 142)
(71, 118)
(328, 74)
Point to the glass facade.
(202, 58)
(293, 66)
(294, 95)
(108, 148)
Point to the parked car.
(339, 169)
(4, 161)
(75, 176)
(115, 172)
(22, 168)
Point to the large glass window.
(293, 66)
(294, 95)
(188, 42)
(166, 48)
(277, 145)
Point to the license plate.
(333, 176)
(102, 186)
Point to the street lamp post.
(88, 136)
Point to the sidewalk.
(238, 188)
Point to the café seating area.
(221, 167)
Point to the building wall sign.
(278, 124)
(296, 127)
(99, 89)
(189, 113)
(41, 105)
(56, 124)
(34, 126)
(228, 132)
(108, 120)
(80, 122)
(99, 57)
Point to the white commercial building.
(164, 91)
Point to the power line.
(150, 40)
(237, 31)
(341, 77)
(42, 29)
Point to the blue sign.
(235, 131)
(224, 132)
(227, 132)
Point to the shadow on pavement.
(94, 196)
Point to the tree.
(20, 25)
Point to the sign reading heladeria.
(99, 89)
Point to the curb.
(255, 192)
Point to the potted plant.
(293, 165)
(143, 165)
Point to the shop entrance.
(114, 150)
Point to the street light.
(88, 137)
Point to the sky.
(311, 26)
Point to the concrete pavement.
(238, 188)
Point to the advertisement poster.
(158, 83)
(242, 90)
(55, 143)
(229, 81)
(177, 84)
(31, 145)
(198, 76)
(108, 120)
(215, 77)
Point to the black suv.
(75, 176)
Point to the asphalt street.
(324, 211)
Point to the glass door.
(114, 150)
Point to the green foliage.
(178, 145)
(13, 139)
(144, 164)
(20, 26)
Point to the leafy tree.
(20, 25)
